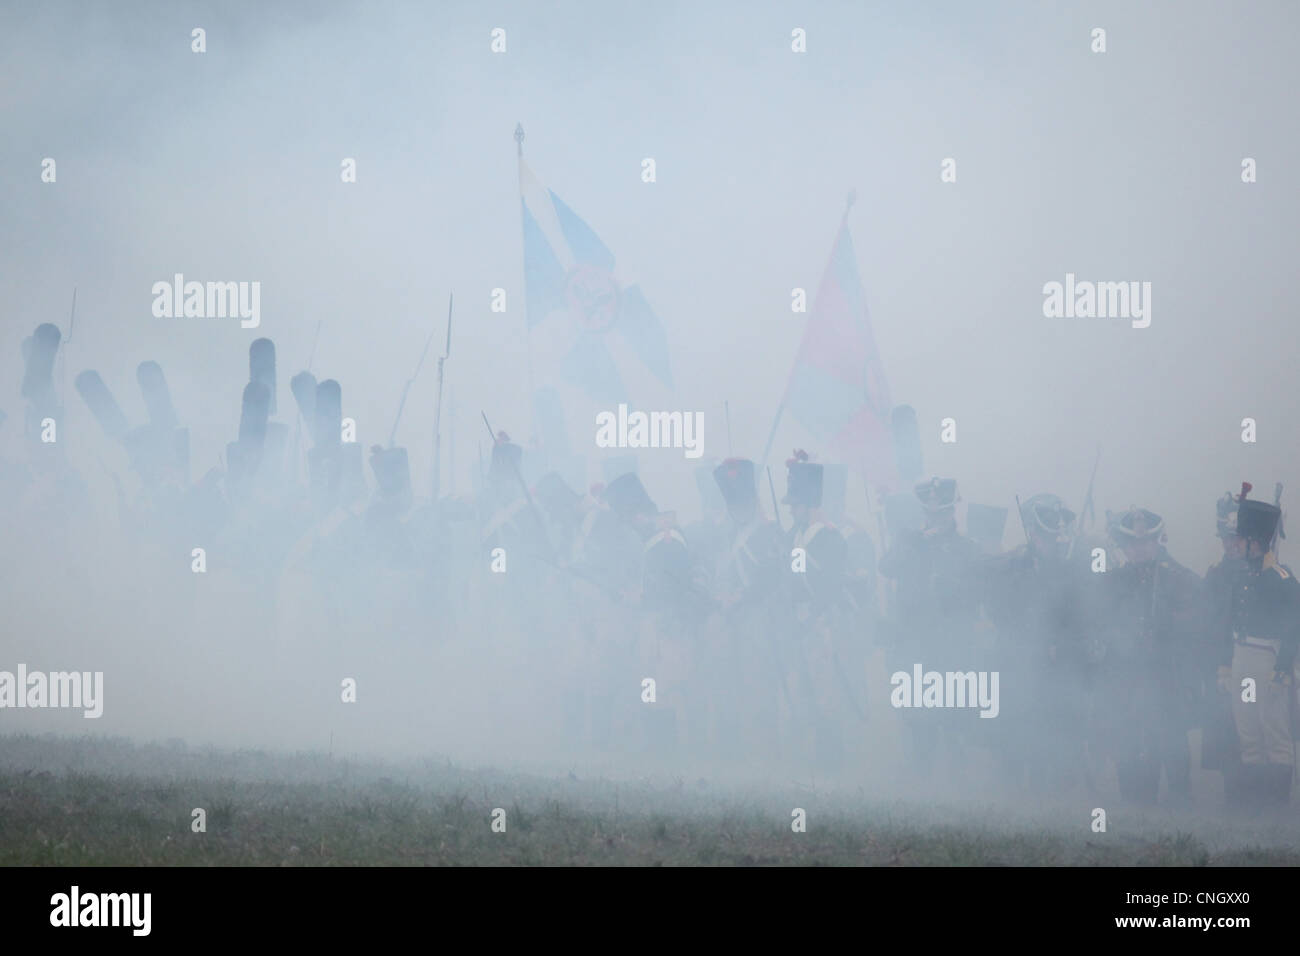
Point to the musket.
(581, 576)
(1280, 533)
(409, 382)
(451, 442)
(528, 496)
(776, 510)
(437, 415)
(72, 325)
(72, 318)
(1087, 510)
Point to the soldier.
(860, 569)
(607, 579)
(823, 697)
(1151, 658)
(563, 509)
(1265, 622)
(671, 613)
(708, 536)
(581, 622)
(386, 517)
(820, 587)
(747, 579)
(750, 566)
(39, 352)
(1042, 600)
(509, 521)
(518, 559)
(1219, 748)
(936, 608)
(56, 500)
(261, 370)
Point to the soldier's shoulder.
(824, 531)
(826, 541)
(667, 534)
(1282, 571)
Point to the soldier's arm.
(1288, 590)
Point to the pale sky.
(1117, 166)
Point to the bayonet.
(437, 415)
(407, 388)
(776, 510)
(528, 496)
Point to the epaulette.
(668, 534)
(1271, 563)
(810, 533)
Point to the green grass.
(66, 802)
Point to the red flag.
(837, 388)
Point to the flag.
(837, 388)
(584, 326)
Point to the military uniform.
(669, 607)
(607, 565)
(709, 535)
(742, 660)
(825, 696)
(1043, 601)
(1150, 668)
(386, 532)
(1265, 622)
(1219, 747)
(860, 557)
(937, 598)
(508, 518)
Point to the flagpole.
(726, 409)
(451, 443)
(780, 410)
(528, 342)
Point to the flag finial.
(519, 138)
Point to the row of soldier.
(763, 641)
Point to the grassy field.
(99, 801)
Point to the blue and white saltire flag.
(586, 329)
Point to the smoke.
(225, 167)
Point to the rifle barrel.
(776, 510)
